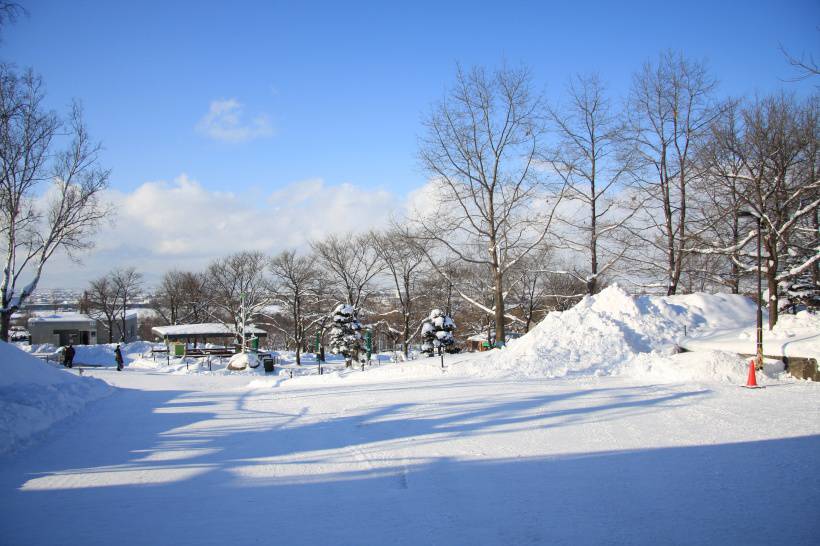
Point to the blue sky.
(344, 85)
(335, 91)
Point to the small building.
(477, 342)
(79, 329)
(62, 329)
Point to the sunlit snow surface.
(613, 439)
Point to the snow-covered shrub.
(437, 332)
(345, 334)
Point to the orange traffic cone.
(751, 383)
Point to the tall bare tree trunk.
(770, 244)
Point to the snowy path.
(192, 459)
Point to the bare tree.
(182, 298)
(352, 263)
(317, 311)
(587, 161)
(670, 109)
(169, 299)
(778, 185)
(562, 292)
(480, 150)
(529, 288)
(196, 298)
(32, 229)
(240, 291)
(403, 260)
(127, 283)
(103, 304)
(717, 195)
(293, 278)
(805, 67)
(468, 289)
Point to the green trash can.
(179, 349)
(255, 343)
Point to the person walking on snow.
(118, 358)
(68, 356)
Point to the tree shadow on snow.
(192, 475)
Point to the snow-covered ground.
(589, 430)
(207, 459)
(793, 335)
(34, 395)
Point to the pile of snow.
(613, 332)
(243, 361)
(35, 395)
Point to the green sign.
(368, 343)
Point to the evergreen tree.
(345, 334)
(437, 332)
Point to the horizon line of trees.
(529, 206)
(292, 295)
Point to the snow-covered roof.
(208, 329)
(62, 317)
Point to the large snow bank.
(612, 333)
(35, 395)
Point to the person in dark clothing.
(68, 356)
(118, 358)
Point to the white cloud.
(225, 121)
(423, 203)
(316, 209)
(182, 224)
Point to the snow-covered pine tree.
(437, 332)
(345, 334)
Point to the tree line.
(665, 189)
(382, 274)
(529, 206)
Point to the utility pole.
(759, 299)
(242, 318)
